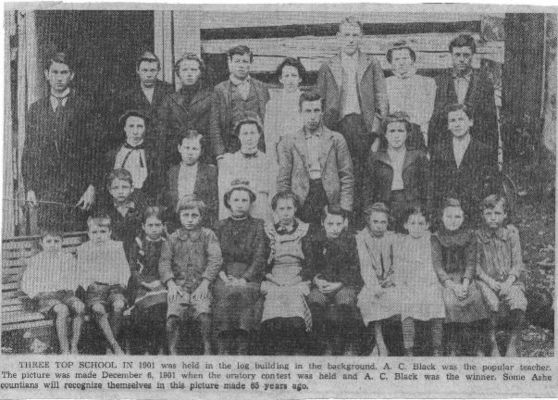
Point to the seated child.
(124, 206)
(191, 177)
(103, 270)
(50, 280)
(421, 292)
(454, 258)
(147, 294)
(500, 269)
(190, 261)
(286, 317)
(336, 284)
(380, 297)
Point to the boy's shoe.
(408, 352)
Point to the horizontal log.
(26, 325)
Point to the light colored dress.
(380, 297)
(421, 291)
(287, 300)
(256, 170)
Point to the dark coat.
(221, 124)
(153, 185)
(475, 178)
(177, 116)
(480, 98)
(371, 91)
(379, 177)
(205, 189)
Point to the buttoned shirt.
(459, 148)
(351, 104)
(313, 146)
(500, 252)
(396, 160)
(132, 160)
(243, 86)
(187, 179)
(461, 83)
(61, 100)
(148, 92)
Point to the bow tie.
(253, 155)
(138, 147)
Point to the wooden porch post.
(186, 32)
(163, 43)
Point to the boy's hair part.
(153, 211)
(191, 202)
(332, 210)
(398, 116)
(352, 21)
(492, 201)
(240, 51)
(416, 209)
(120, 174)
(100, 220)
(450, 202)
(463, 41)
(148, 56)
(51, 231)
(310, 96)
(59, 58)
(460, 107)
(376, 207)
(191, 57)
(191, 134)
(401, 46)
(285, 195)
(292, 62)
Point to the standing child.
(454, 256)
(499, 269)
(380, 297)
(336, 284)
(421, 293)
(103, 270)
(50, 280)
(190, 261)
(147, 294)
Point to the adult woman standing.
(282, 116)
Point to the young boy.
(336, 283)
(499, 269)
(50, 280)
(103, 270)
(191, 177)
(190, 261)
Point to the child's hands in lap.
(202, 291)
(331, 287)
(174, 291)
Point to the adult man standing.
(315, 164)
(59, 160)
(463, 85)
(353, 87)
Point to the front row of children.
(304, 289)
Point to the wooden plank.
(10, 302)
(11, 318)
(27, 325)
(10, 286)
(11, 294)
(13, 308)
(12, 262)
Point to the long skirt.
(236, 307)
(472, 308)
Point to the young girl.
(147, 294)
(421, 293)
(286, 317)
(237, 290)
(379, 299)
(454, 258)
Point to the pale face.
(135, 130)
(153, 228)
(239, 66)
(334, 225)
(462, 58)
(311, 114)
(147, 72)
(453, 218)
(240, 203)
(249, 136)
(51, 243)
(396, 134)
(402, 63)
(416, 225)
(98, 234)
(285, 211)
(189, 72)
(120, 190)
(494, 217)
(459, 123)
(290, 78)
(59, 77)
(190, 150)
(378, 223)
(349, 37)
(190, 219)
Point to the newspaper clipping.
(284, 201)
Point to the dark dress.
(244, 249)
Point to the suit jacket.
(61, 155)
(371, 88)
(479, 97)
(335, 160)
(152, 186)
(379, 177)
(221, 122)
(475, 178)
(176, 116)
(205, 188)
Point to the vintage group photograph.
(335, 180)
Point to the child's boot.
(495, 352)
(518, 317)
